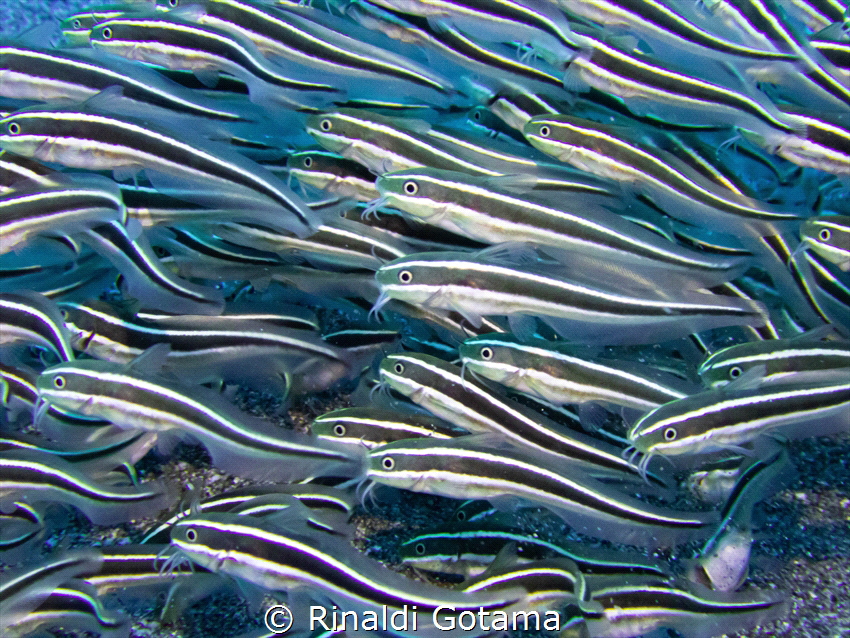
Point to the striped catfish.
(150, 207)
(167, 42)
(40, 477)
(92, 141)
(128, 567)
(815, 75)
(384, 143)
(640, 605)
(490, 63)
(509, 158)
(468, 548)
(72, 606)
(829, 237)
(340, 244)
(15, 171)
(76, 28)
(536, 22)
(440, 388)
(579, 220)
(371, 427)
(235, 440)
(552, 584)
(731, 417)
(560, 374)
(204, 349)
(20, 399)
(273, 498)
(96, 457)
(607, 312)
(610, 152)
(333, 173)
(25, 588)
(648, 86)
(466, 468)
(48, 76)
(144, 276)
(827, 287)
(311, 39)
(32, 318)
(667, 23)
(820, 141)
(68, 205)
(287, 558)
(790, 360)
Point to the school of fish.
(572, 260)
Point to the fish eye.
(59, 381)
(76, 24)
(339, 430)
(486, 353)
(14, 128)
(461, 515)
(173, 3)
(399, 368)
(411, 188)
(191, 535)
(106, 33)
(545, 131)
(405, 276)
(476, 115)
(325, 125)
(735, 372)
(670, 434)
(388, 463)
(824, 234)
(308, 162)
(420, 549)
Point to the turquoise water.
(802, 539)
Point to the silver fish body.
(480, 287)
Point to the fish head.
(394, 371)
(72, 385)
(491, 355)
(416, 191)
(416, 279)
(554, 135)
(829, 237)
(333, 130)
(22, 133)
(655, 433)
(392, 465)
